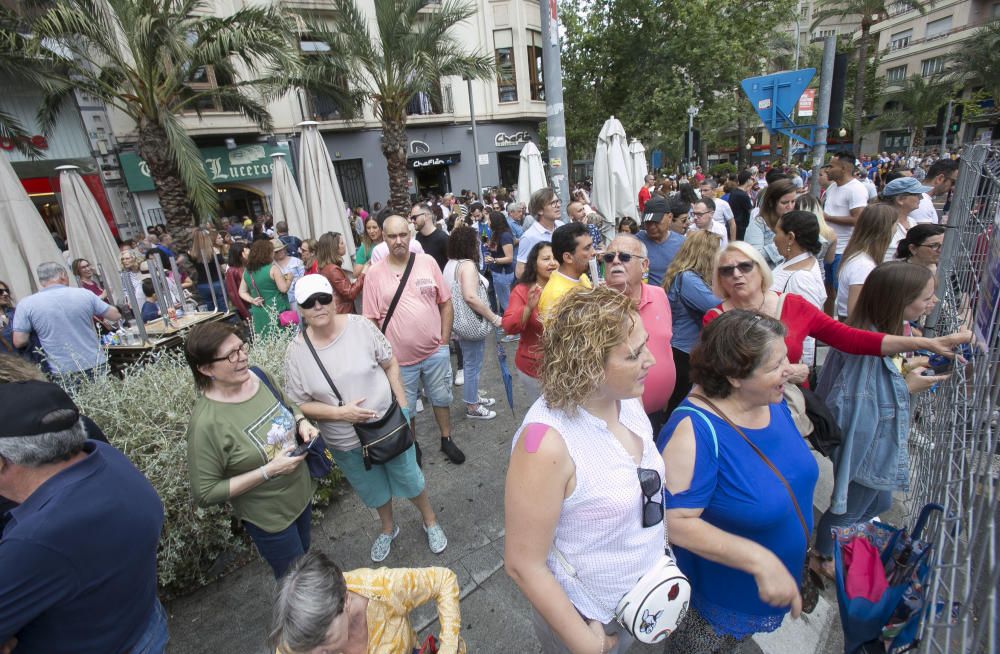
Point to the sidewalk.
(233, 614)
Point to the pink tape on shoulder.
(533, 435)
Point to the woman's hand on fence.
(918, 382)
(946, 344)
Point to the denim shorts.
(400, 477)
(435, 372)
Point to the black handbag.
(826, 435)
(381, 440)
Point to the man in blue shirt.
(664, 224)
(78, 556)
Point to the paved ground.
(232, 615)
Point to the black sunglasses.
(4, 291)
(624, 257)
(744, 267)
(321, 298)
(652, 512)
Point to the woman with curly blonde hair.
(585, 478)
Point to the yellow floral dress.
(393, 592)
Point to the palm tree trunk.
(170, 189)
(859, 86)
(394, 150)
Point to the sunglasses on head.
(652, 512)
(744, 267)
(624, 257)
(321, 298)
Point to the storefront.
(241, 176)
(431, 173)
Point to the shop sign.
(222, 165)
(503, 140)
(7, 142)
(434, 160)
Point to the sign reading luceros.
(222, 165)
(506, 140)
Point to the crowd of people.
(657, 351)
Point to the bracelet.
(263, 473)
(299, 422)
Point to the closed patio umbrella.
(87, 232)
(321, 196)
(530, 172)
(612, 191)
(25, 241)
(286, 203)
(637, 165)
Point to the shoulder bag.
(381, 440)
(318, 457)
(468, 324)
(395, 299)
(811, 583)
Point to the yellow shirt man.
(557, 286)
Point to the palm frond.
(187, 157)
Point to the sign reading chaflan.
(507, 140)
(222, 165)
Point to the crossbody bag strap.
(395, 298)
(763, 457)
(254, 284)
(322, 368)
(264, 379)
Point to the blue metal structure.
(773, 98)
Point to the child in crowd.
(150, 309)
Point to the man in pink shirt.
(419, 328)
(654, 310)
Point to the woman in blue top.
(689, 288)
(739, 533)
(501, 258)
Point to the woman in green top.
(371, 238)
(240, 439)
(264, 287)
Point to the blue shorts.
(400, 477)
(830, 271)
(435, 372)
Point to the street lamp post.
(692, 112)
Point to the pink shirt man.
(654, 310)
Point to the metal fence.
(955, 440)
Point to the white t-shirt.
(898, 234)
(870, 187)
(723, 212)
(839, 201)
(853, 272)
(925, 213)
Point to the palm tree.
(408, 53)
(916, 105)
(145, 59)
(15, 66)
(871, 12)
(976, 61)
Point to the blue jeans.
(435, 373)
(473, 352)
(205, 293)
(501, 285)
(863, 504)
(282, 548)
(154, 639)
(830, 270)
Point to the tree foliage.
(977, 62)
(915, 105)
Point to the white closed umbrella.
(25, 241)
(612, 190)
(321, 196)
(530, 172)
(87, 232)
(286, 203)
(637, 165)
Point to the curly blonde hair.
(579, 335)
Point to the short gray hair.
(49, 270)
(309, 597)
(515, 206)
(643, 251)
(40, 449)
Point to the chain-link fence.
(955, 442)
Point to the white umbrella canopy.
(637, 164)
(612, 190)
(286, 203)
(87, 232)
(530, 172)
(320, 191)
(25, 241)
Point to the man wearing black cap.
(78, 556)
(662, 241)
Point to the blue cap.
(903, 185)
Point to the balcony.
(423, 104)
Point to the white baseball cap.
(310, 285)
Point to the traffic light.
(956, 118)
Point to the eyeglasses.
(234, 356)
(933, 246)
(744, 267)
(624, 257)
(699, 214)
(414, 216)
(652, 512)
(321, 298)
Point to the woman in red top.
(85, 273)
(307, 251)
(742, 279)
(237, 259)
(330, 251)
(521, 316)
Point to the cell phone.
(940, 364)
(300, 449)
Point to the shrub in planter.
(145, 415)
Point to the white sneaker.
(486, 401)
(481, 413)
(459, 378)
(420, 405)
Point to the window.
(804, 9)
(205, 78)
(996, 10)
(321, 106)
(897, 74)
(822, 34)
(535, 65)
(932, 66)
(503, 42)
(938, 28)
(900, 40)
(897, 8)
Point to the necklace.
(763, 299)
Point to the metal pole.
(177, 280)
(945, 129)
(475, 141)
(129, 291)
(555, 114)
(211, 282)
(798, 31)
(103, 279)
(823, 115)
(160, 288)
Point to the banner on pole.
(807, 102)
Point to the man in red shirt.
(646, 192)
